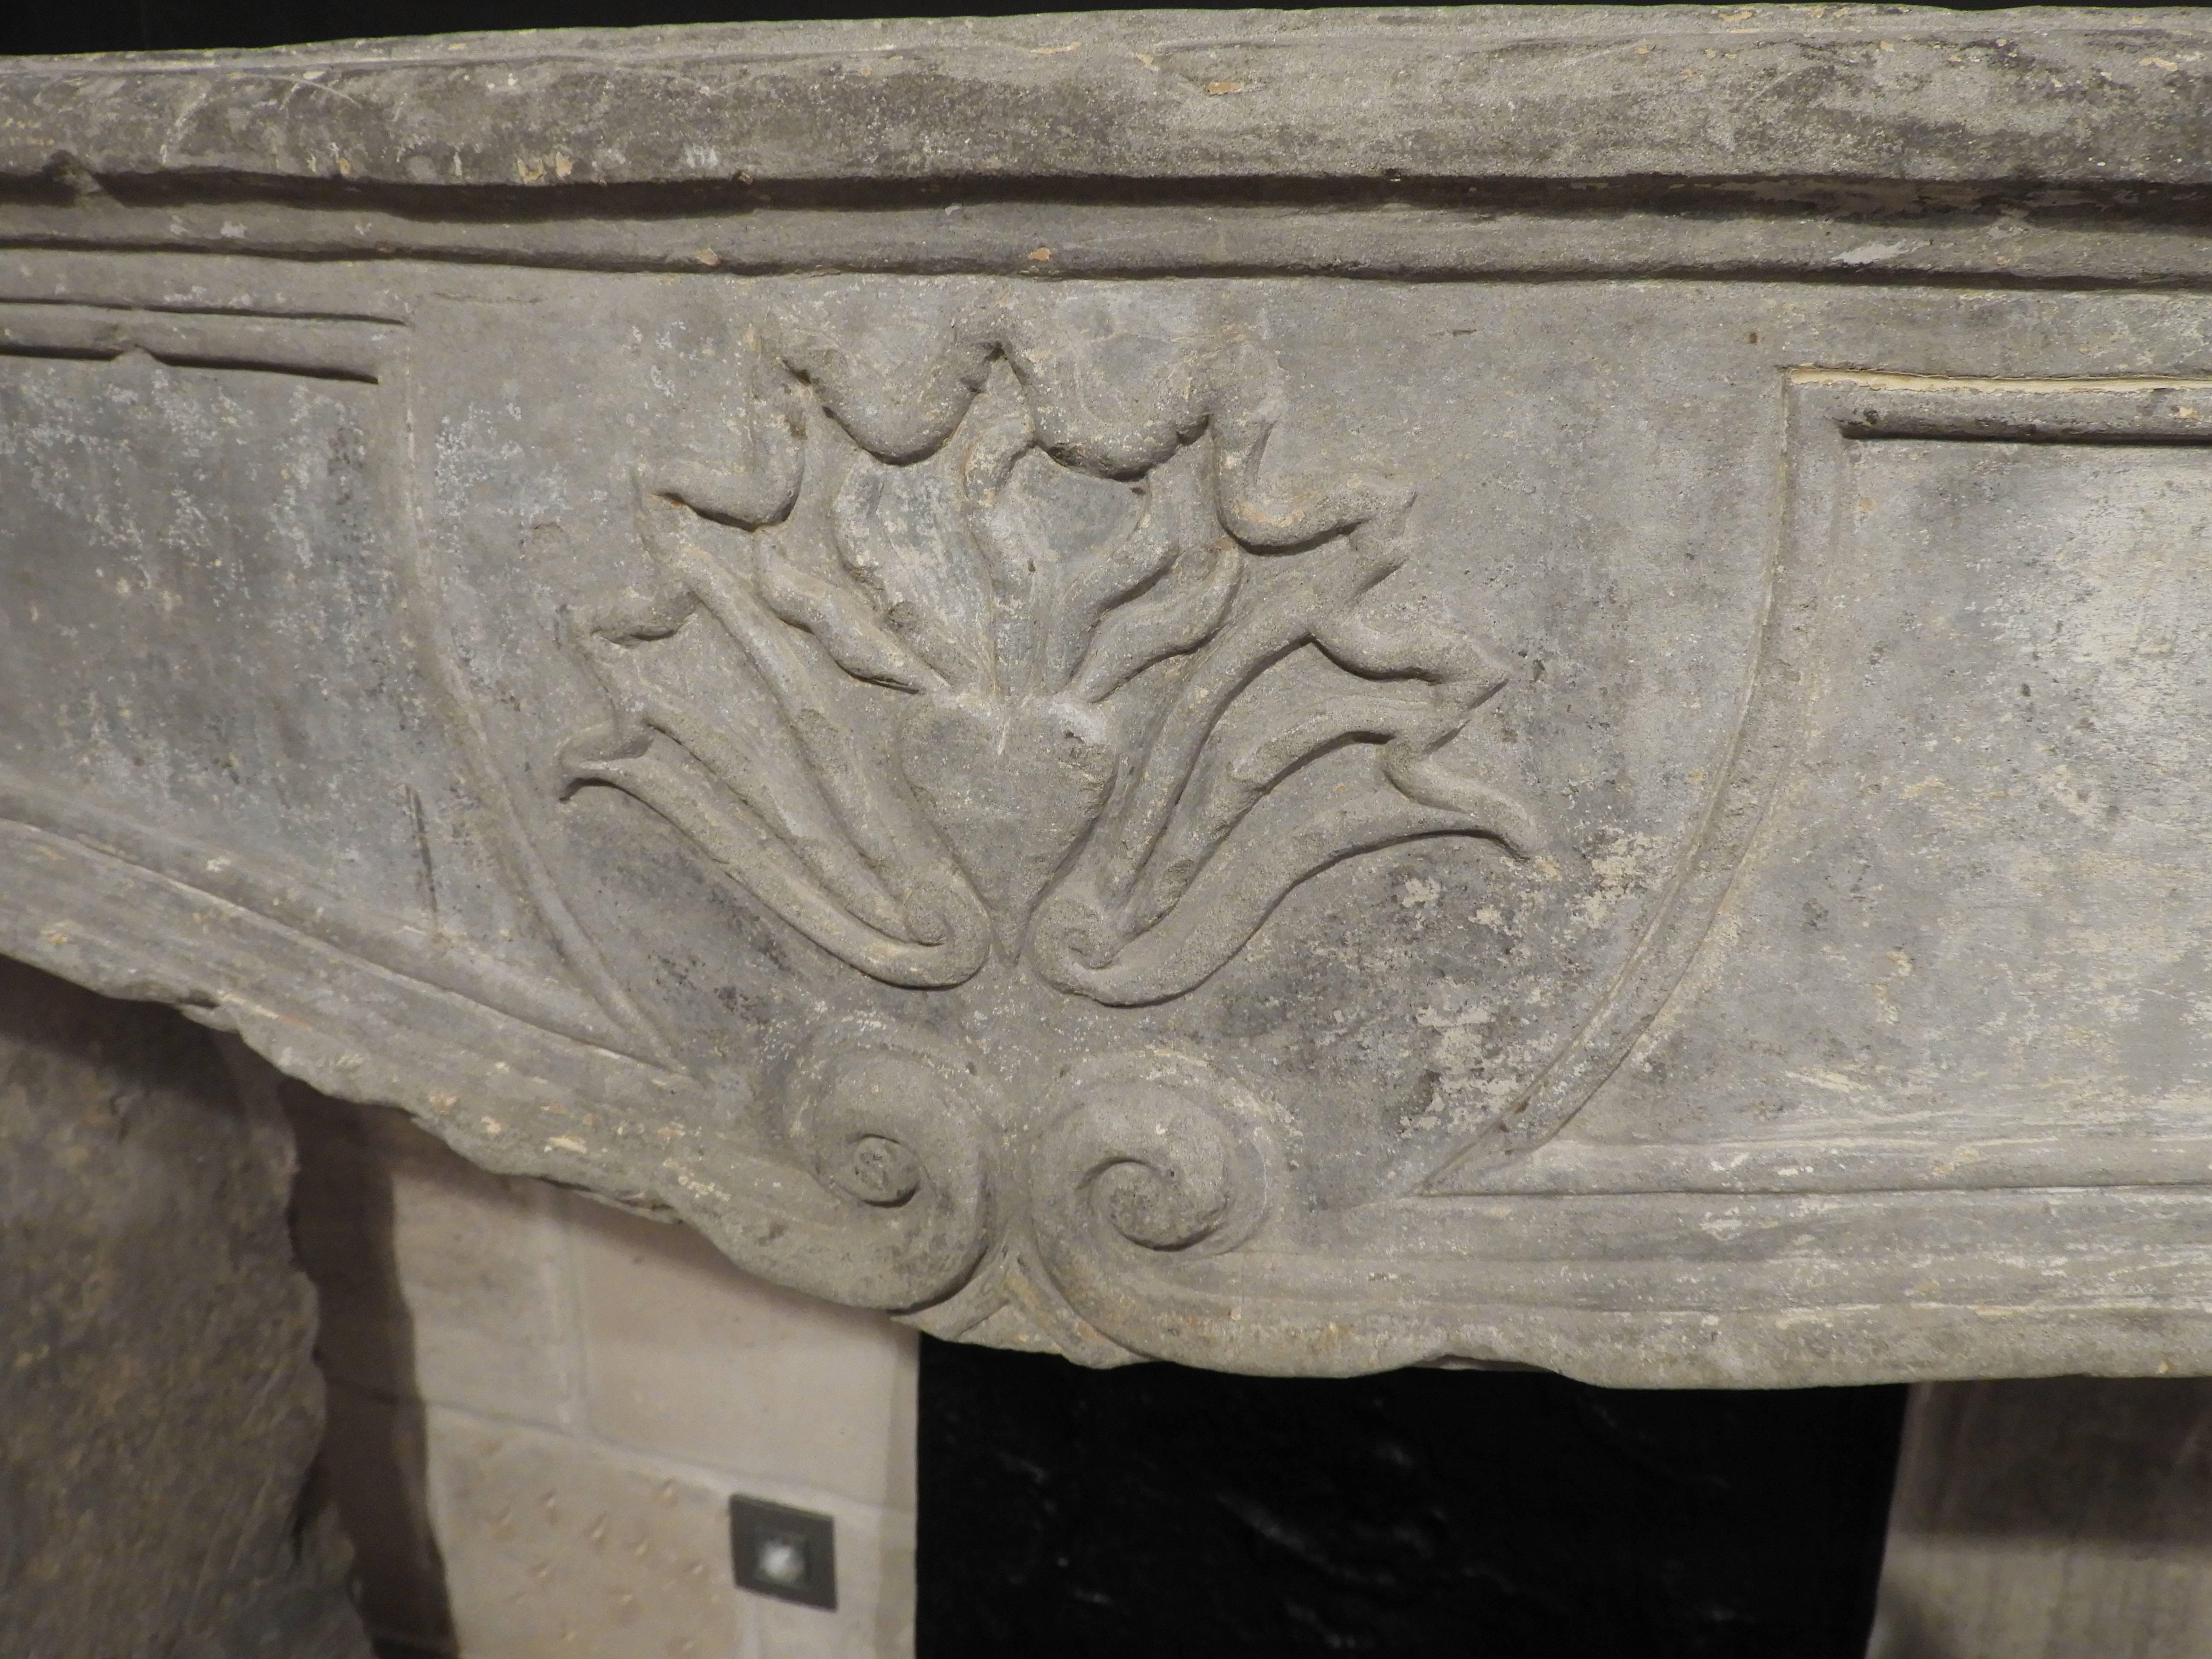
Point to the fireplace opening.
(1163, 1512)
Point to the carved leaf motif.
(1084, 732)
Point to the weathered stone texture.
(1297, 692)
(159, 1405)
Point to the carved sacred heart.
(1086, 724)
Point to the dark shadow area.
(172, 25)
(2076, 1460)
(159, 1411)
(1165, 1512)
(375, 1457)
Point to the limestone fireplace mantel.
(1299, 692)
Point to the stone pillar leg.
(2069, 1518)
(160, 1405)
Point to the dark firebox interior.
(1420, 1513)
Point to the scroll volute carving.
(1153, 1161)
(885, 1118)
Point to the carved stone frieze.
(1391, 720)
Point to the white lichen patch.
(1479, 1071)
(1619, 870)
(1416, 893)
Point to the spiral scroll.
(1158, 1163)
(885, 1119)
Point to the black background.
(47, 25)
(1158, 1513)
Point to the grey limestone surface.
(1294, 691)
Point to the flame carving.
(964, 728)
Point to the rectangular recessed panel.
(216, 539)
(1980, 905)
